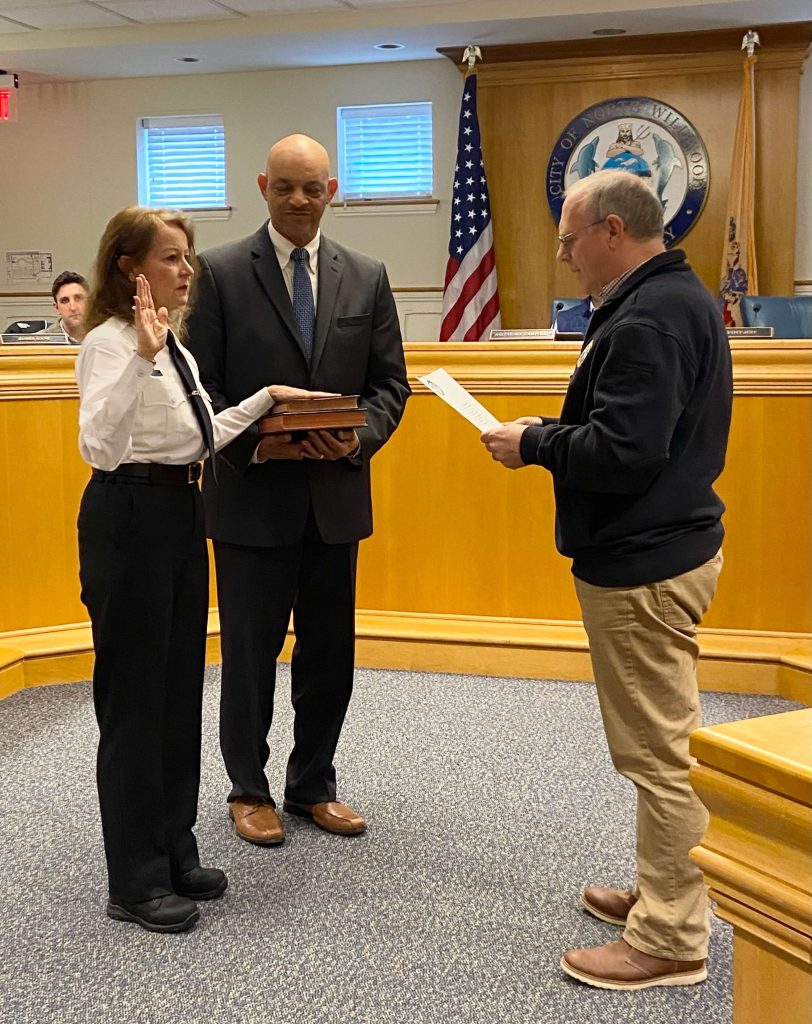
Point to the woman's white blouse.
(133, 411)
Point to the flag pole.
(739, 274)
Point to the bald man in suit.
(286, 514)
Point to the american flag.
(470, 296)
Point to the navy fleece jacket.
(642, 433)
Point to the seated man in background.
(69, 292)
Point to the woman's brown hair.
(129, 233)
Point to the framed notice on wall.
(29, 266)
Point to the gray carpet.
(489, 801)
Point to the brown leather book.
(317, 404)
(329, 419)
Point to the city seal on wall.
(645, 137)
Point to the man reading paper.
(640, 441)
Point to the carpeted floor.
(490, 802)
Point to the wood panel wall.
(527, 95)
(457, 533)
(462, 572)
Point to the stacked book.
(340, 412)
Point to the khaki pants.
(642, 642)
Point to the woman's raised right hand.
(151, 325)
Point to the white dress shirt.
(132, 410)
(59, 328)
(283, 248)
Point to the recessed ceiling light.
(388, 46)
(609, 32)
(187, 60)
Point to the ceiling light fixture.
(609, 32)
(388, 46)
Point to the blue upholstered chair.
(790, 315)
(571, 316)
(559, 304)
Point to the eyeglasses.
(565, 241)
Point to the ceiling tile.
(12, 26)
(367, 5)
(64, 15)
(283, 6)
(6, 5)
(160, 10)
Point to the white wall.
(68, 163)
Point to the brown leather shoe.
(617, 965)
(256, 822)
(332, 816)
(612, 905)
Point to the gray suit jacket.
(244, 336)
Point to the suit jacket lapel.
(269, 274)
(330, 270)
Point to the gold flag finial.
(750, 41)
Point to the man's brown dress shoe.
(617, 965)
(332, 816)
(612, 905)
(256, 822)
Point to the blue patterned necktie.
(303, 308)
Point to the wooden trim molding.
(759, 368)
(736, 662)
(37, 371)
(25, 295)
(424, 289)
(791, 36)
(583, 69)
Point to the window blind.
(182, 162)
(385, 151)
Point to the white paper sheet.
(451, 391)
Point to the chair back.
(790, 315)
(559, 305)
(34, 325)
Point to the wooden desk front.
(461, 573)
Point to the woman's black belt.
(150, 473)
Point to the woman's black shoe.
(200, 883)
(164, 914)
